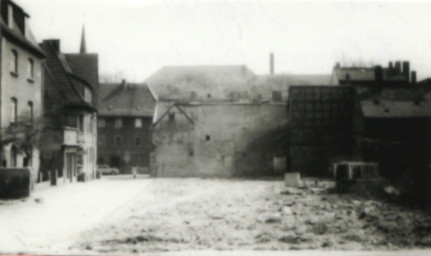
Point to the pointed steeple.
(83, 49)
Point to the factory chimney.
(271, 63)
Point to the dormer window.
(87, 95)
(10, 16)
(14, 63)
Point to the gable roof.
(58, 70)
(167, 112)
(217, 82)
(116, 99)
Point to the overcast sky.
(135, 38)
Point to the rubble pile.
(258, 215)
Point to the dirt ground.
(212, 214)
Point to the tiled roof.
(86, 66)
(217, 82)
(125, 100)
(57, 69)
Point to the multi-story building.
(20, 90)
(125, 116)
(69, 150)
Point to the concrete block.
(293, 179)
(14, 183)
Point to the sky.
(135, 38)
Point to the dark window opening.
(137, 141)
(118, 141)
(30, 112)
(171, 117)
(347, 77)
(14, 62)
(208, 138)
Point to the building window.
(30, 112)
(101, 122)
(208, 138)
(171, 117)
(138, 122)
(13, 110)
(101, 140)
(117, 140)
(14, 63)
(118, 123)
(30, 69)
(138, 141)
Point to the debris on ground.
(261, 215)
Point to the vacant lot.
(189, 214)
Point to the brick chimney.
(398, 67)
(413, 81)
(378, 75)
(406, 69)
(55, 43)
(271, 63)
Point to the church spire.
(83, 49)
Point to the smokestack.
(398, 67)
(406, 69)
(413, 77)
(378, 74)
(271, 63)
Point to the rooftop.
(122, 99)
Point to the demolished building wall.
(213, 139)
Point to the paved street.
(118, 215)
